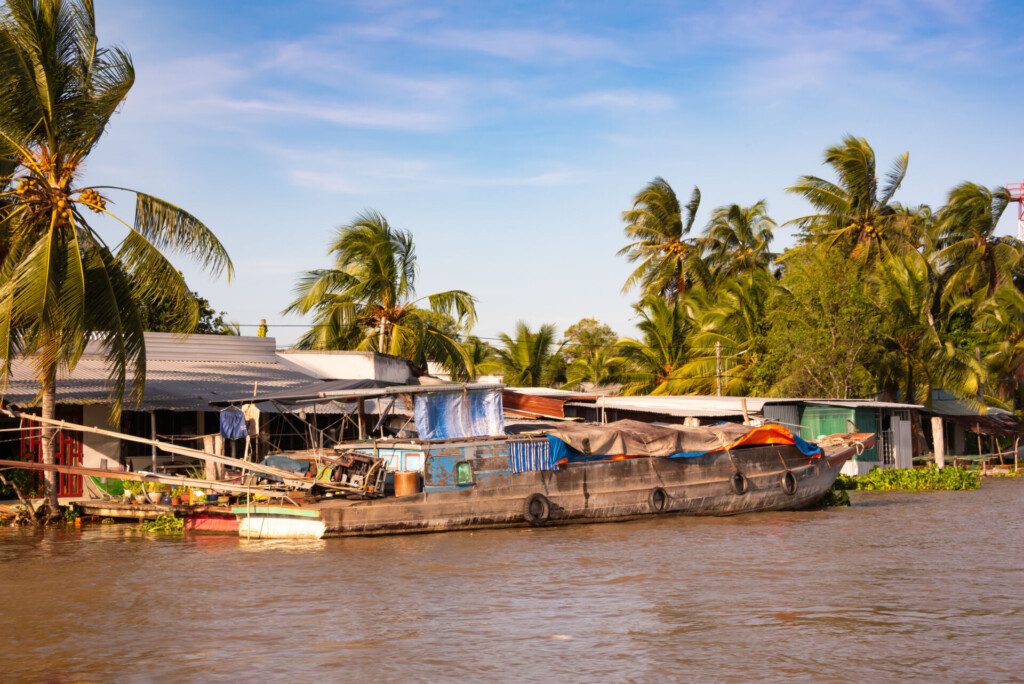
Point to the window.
(463, 473)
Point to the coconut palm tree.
(657, 227)
(915, 358)
(737, 240)
(531, 358)
(482, 358)
(855, 214)
(62, 281)
(978, 261)
(732, 322)
(367, 299)
(598, 367)
(649, 363)
(1001, 323)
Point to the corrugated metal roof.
(720, 407)
(178, 375)
(863, 403)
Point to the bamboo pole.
(287, 476)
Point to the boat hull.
(769, 478)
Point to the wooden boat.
(210, 520)
(470, 484)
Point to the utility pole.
(718, 368)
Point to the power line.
(707, 350)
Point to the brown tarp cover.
(637, 438)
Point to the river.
(925, 586)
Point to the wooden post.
(361, 413)
(718, 368)
(939, 441)
(152, 435)
(213, 469)
(743, 408)
(980, 455)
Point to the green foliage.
(822, 339)
(586, 337)
(649, 363)
(165, 524)
(25, 480)
(530, 358)
(845, 482)
(133, 486)
(159, 316)
(835, 497)
(930, 478)
(737, 240)
(657, 227)
(367, 300)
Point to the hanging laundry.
(232, 423)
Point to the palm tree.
(915, 358)
(657, 228)
(598, 367)
(482, 358)
(978, 261)
(367, 300)
(737, 240)
(530, 358)
(649, 363)
(854, 213)
(62, 284)
(733, 322)
(1001, 323)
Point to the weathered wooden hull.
(773, 478)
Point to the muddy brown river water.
(911, 586)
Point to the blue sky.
(510, 137)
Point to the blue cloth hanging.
(232, 423)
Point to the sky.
(510, 137)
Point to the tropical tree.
(730, 333)
(915, 359)
(586, 336)
(977, 260)
(62, 282)
(657, 227)
(737, 240)
(531, 358)
(367, 299)
(854, 213)
(648, 363)
(1001, 322)
(598, 368)
(481, 357)
(822, 340)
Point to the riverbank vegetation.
(930, 478)
(878, 297)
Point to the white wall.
(99, 451)
(347, 365)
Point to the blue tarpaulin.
(452, 415)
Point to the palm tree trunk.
(47, 443)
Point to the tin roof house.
(185, 377)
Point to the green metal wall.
(818, 421)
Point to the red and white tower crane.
(1016, 191)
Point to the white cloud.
(339, 113)
(650, 101)
(357, 174)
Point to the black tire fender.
(739, 483)
(537, 509)
(657, 500)
(789, 482)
